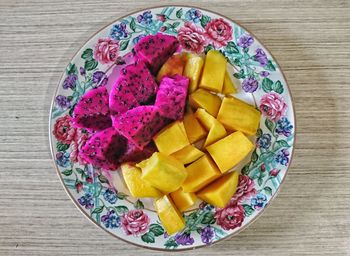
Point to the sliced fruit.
(193, 70)
(173, 66)
(194, 129)
(216, 132)
(137, 186)
(154, 50)
(172, 138)
(163, 172)
(171, 97)
(205, 118)
(237, 115)
(220, 191)
(188, 154)
(169, 215)
(200, 173)
(228, 87)
(230, 150)
(204, 99)
(183, 200)
(213, 71)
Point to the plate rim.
(234, 233)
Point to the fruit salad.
(171, 124)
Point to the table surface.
(310, 39)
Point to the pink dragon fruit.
(113, 73)
(139, 124)
(135, 86)
(121, 98)
(154, 50)
(140, 81)
(104, 149)
(171, 96)
(134, 154)
(92, 111)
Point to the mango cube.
(216, 132)
(237, 115)
(230, 150)
(220, 191)
(163, 172)
(200, 173)
(183, 200)
(172, 138)
(205, 118)
(215, 128)
(182, 127)
(193, 70)
(188, 154)
(194, 129)
(204, 99)
(137, 186)
(173, 66)
(169, 215)
(213, 71)
(228, 87)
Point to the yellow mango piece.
(193, 70)
(204, 99)
(205, 118)
(169, 215)
(183, 200)
(237, 115)
(230, 150)
(215, 128)
(172, 138)
(174, 65)
(213, 72)
(163, 172)
(200, 173)
(188, 154)
(228, 87)
(182, 127)
(194, 129)
(216, 132)
(138, 187)
(220, 191)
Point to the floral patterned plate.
(102, 196)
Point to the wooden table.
(311, 41)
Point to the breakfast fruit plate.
(172, 128)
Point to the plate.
(102, 197)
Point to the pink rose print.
(76, 145)
(230, 217)
(273, 106)
(64, 130)
(191, 38)
(245, 189)
(274, 172)
(218, 32)
(135, 222)
(106, 50)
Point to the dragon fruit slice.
(121, 98)
(113, 72)
(92, 111)
(140, 124)
(171, 96)
(104, 149)
(134, 154)
(140, 81)
(135, 86)
(154, 50)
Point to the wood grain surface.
(310, 40)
